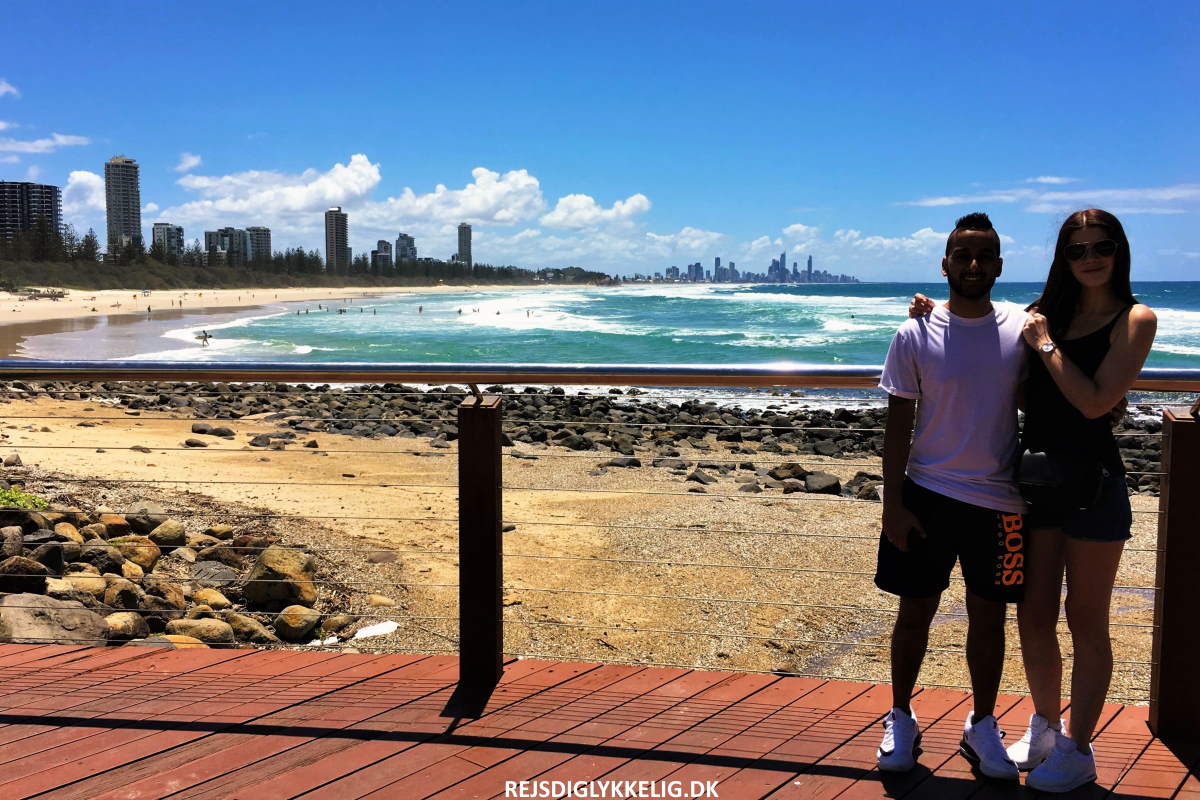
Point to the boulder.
(201, 612)
(168, 590)
(93, 530)
(700, 476)
(20, 574)
(214, 574)
(122, 593)
(69, 532)
(281, 576)
(337, 622)
(295, 621)
(168, 642)
(37, 619)
(86, 582)
(220, 531)
(209, 631)
(126, 625)
(222, 553)
(115, 525)
(169, 534)
(27, 521)
(822, 483)
(380, 601)
(211, 598)
(248, 629)
(141, 550)
(101, 555)
(11, 541)
(146, 516)
(131, 571)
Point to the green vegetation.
(15, 498)
(42, 257)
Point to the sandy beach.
(628, 564)
(126, 314)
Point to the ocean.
(650, 324)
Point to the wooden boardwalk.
(107, 723)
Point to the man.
(954, 371)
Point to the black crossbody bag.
(1060, 481)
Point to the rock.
(336, 623)
(101, 555)
(826, 448)
(86, 582)
(132, 572)
(281, 576)
(214, 574)
(822, 483)
(69, 532)
(201, 612)
(699, 476)
(123, 593)
(223, 432)
(211, 598)
(295, 621)
(11, 542)
(194, 443)
(209, 631)
(221, 553)
(13, 460)
(20, 574)
(382, 557)
(141, 550)
(379, 600)
(185, 554)
(27, 521)
(624, 461)
(93, 530)
(219, 531)
(166, 589)
(169, 534)
(168, 642)
(312, 443)
(115, 525)
(126, 625)
(248, 629)
(138, 448)
(792, 485)
(199, 541)
(750, 487)
(37, 619)
(202, 428)
(783, 472)
(146, 516)
(51, 556)
(262, 440)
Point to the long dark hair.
(1060, 297)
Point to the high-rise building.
(228, 246)
(464, 244)
(260, 244)
(22, 204)
(381, 256)
(337, 240)
(169, 238)
(123, 203)
(810, 269)
(406, 248)
(717, 263)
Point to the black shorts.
(990, 545)
(1109, 520)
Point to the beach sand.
(638, 569)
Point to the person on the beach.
(949, 492)
(204, 337)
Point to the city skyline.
(873, 151)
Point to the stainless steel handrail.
(784, 374)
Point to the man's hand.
(919, 306)
(898, 523)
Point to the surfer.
(204, 337)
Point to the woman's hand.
(920, 306)
(1036, 330)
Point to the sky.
(624, 137)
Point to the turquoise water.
(717, 324)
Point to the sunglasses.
(1100, 249)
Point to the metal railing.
(481, 424)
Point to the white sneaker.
(982, 746)
(1036, 744)
(901, 735)
(1064, 769)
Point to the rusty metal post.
(480, 549)
(1174, 689)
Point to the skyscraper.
(123, 203)
(464, 244)
(337, 240)
(810, 269)
(169, 238)
(381, 256)
(22, 204)
(406, 248)
(260, 244)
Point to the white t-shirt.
(963, 373)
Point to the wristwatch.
(1048, 346)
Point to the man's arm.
(898, 521)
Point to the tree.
(89, 247)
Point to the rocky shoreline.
(637, 431)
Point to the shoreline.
(85, 310)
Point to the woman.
(1088, 338)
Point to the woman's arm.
(1097, 396)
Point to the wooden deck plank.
(78, 670)
(82, 752)
(218, 752)
(1156, 773)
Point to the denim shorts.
(1109, 520)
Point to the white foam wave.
(1177, 349)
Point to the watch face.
(1048, 347)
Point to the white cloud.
(187, 161)
(9, 159)
(1146, 200)
(802, 232)
(32, 172)
(1188, 254)
(490, 199)
(49, 145)
(84, 193)
(687, 240)
(149, 208)
(1055, 179)
(1002, 196)
(581, 211)
(8, 88)
(6, 125)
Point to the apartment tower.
(260, 244)
(337, 240)
(168, 237)
(123, 202)
(464, 244)
(23, 203)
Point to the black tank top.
(1052, 423)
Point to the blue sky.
(625, 137)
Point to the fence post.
(1174, 690)
(480, 549)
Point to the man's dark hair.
(975, 221)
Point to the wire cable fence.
(763, 546)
